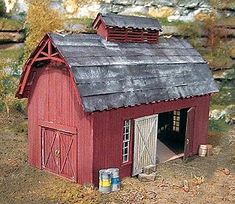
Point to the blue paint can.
(115, 179)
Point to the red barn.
(124, 98)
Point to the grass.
(10, 57)
(165, 22)
(7, 24)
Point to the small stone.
(152, 195)
(226, 171)
(150, 169)
(147, 177)
(185, 186)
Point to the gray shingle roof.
(112, 75)
(130, 21)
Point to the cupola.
(120, 28)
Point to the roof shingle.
(112, 75)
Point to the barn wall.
(54, 98)
(108, 127)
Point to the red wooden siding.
(102, 31)
(116, 34)
(54, 100)
(108, 127)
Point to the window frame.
(126, 141)
(176, 121)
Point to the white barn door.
(145, 143)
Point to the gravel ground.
(207, 181)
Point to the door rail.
(59, 127)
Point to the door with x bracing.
(59, 153)
(145, 143)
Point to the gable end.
(45, 52)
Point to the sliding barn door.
(145, 143)
(188, 146)
(59, 152)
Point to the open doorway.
(171, 135)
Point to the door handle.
(57, 153)
(187, 141)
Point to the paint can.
(115, 179)
(104, 181)
(202, 150)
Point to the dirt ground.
(20, 183)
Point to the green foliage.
(192, 29)
(40, 20)
(226, 95)
(84, 21)
(217, 126)
(9, 75)
(165, 22)
(2, 8)
(218, 56)
(10, 24)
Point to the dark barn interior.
(171, 134)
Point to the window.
(176, 120)
(126, 141)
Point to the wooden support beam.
(49, 48)
(54, 54)
(44, 53)
(27, 71)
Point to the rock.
(205, 4)
(133, 10)
(202, 14)
(11, 46)
(221, 74)
(170, 30)
(75, 27)
(144, 2)
(162, 12)
(10, 4)
(147, 177)
(187, 18)
(105, 8)
(71, 6)
(162, 3)
(230, 114)
(217, 114)
(124, 2)
(117, 8)
(7, 37)
(191, 4)
(216, 150)
(149, 169)
(88, 10)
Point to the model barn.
(123, 98)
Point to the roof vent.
(119, 28)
